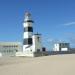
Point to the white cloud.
(69, 24)
(49, 40)
(52, 41)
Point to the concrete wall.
(60, 52)
(10, 48)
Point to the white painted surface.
(37, 43)
(64, 49)
(29, 54)
(27, 49)
(28, 34)
(0, 54)
(56, 47)
(25, 24)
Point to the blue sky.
(54, 19)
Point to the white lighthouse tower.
(31, 42)
(28, 32)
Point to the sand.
(46, 65)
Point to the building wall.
(56, 47)
(37, 46)
(10, 48)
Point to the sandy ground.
(47, 65)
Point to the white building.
(37, 46)
(31, 42)
(9, 48)
(61, 47)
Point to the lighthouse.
(28, 32)
(31, 42)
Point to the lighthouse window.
(28, 29)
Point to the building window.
(31, 50)
(38, 38)
(38, 50)
(43, 49)
(16, 50)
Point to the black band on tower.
(29, 21)
(27, 41)
(28, 29)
